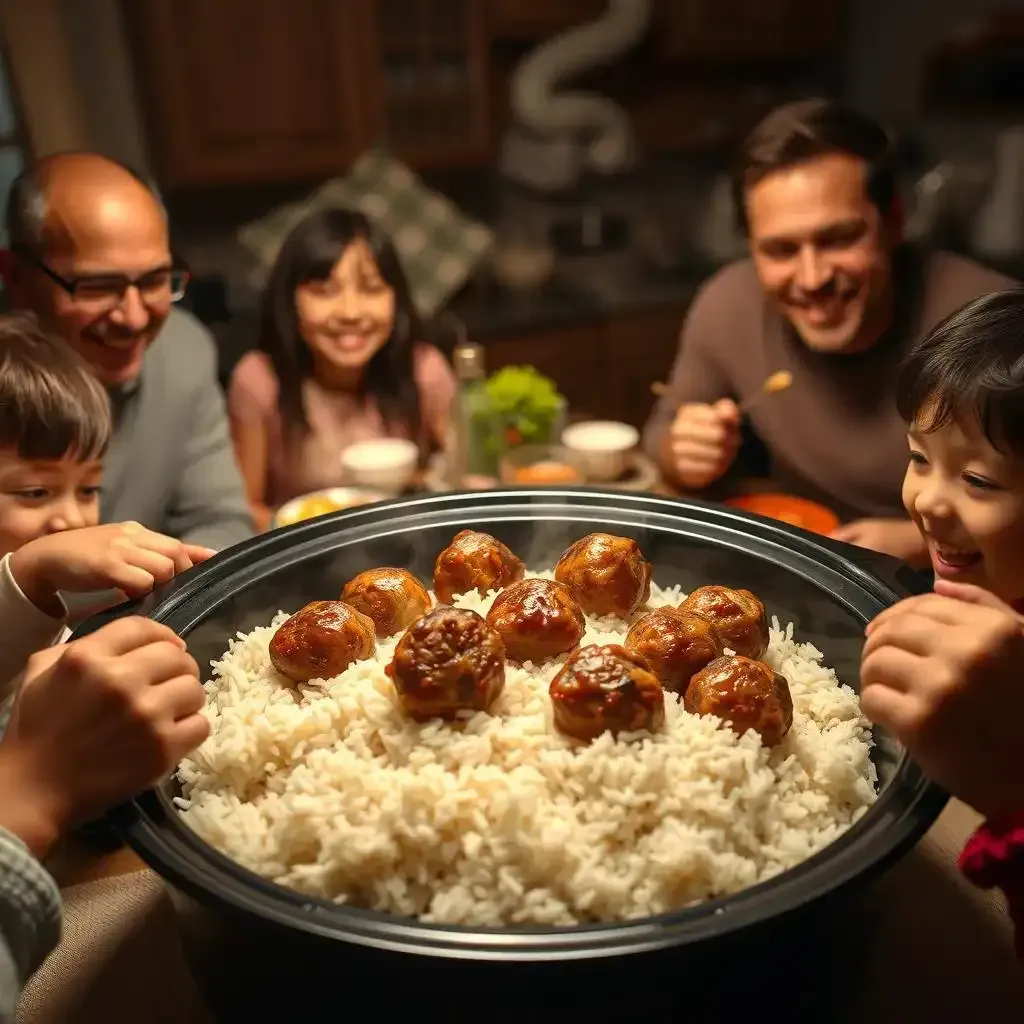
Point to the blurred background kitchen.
(579, 261)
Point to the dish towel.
(119, 961)
(439, 246)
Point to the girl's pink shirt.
(297, 465)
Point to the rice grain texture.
(499, 820)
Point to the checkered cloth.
(438, 245)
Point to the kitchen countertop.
(489, 312)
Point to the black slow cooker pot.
(262, 952)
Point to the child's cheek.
(18, 526)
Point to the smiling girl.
(944, 672)
(340, 359)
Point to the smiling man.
(830, 294)
(90, 256)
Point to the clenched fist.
(942, 672)
(95, 722)
(702, 442)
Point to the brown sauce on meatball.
(474, 561)
(607, 575)
(449, 661)
(747, 694)
(393, 598)
(738, 615)
(321, 640)
(537, 620)
(606, 689)
(676, 645)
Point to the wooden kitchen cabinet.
(248, 90)
(274, 90)
(691, 30)
(727, 30)
(640, 347)
(538, 19)
(427, 79)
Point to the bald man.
(90, 256)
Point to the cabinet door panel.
(248, 90)
(428, 80)
(706, 30)
(640, 349)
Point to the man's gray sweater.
(170, 465)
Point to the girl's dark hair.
(971, 365)
(308, 253)
(51, 405)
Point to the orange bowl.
(808, 515)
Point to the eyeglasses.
(104, 292)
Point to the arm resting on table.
(30, 919)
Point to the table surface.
(78, 859)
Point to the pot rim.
(903, 812)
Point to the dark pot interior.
(302, 948)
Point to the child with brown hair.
(54, 428)
(97, 720)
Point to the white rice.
(501, 820)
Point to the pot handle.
(891, 571)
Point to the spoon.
(778, 381)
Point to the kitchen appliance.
(558, 135)
(261, 952)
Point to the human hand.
(262, 515)
(942, 672)
(95, 722)
(703, 441)
(897, 537)
(122, 556)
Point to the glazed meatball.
(606, 689)
(393, 598)
(607, 575)
(537, 620)
(676, 645)
(738, 615)
(474, 561)
(321, 640)
(449, 661)
(747, 694)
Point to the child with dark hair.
(944, 672)
(341, 358)
(90, 723)
(55, 424)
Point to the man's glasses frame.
(119, 283)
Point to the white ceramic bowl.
(601, 447)
(388, 464)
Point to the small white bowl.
(601, 447)
(388, 464)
